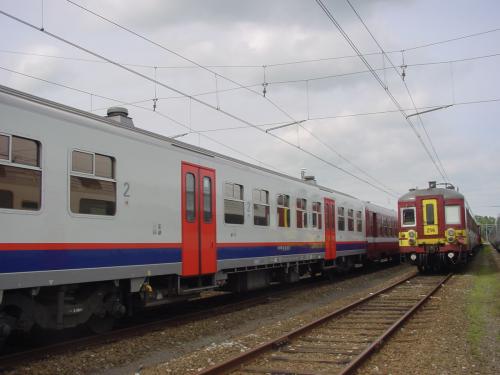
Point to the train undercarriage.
(97, 305)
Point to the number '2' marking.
(126, 185)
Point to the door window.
(190, 198)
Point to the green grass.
(484, 300)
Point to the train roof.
(174, 142)
(446, 193)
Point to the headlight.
(450, 234)
(411, 234)
(412, 241)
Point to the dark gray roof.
(446, 193)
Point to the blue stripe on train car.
(239, 252)
(351, 246)
(42, 260)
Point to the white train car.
(98, 218)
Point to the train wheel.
(98, 324)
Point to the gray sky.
(236, 38)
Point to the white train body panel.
(145, 236)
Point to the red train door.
(199, 253)
(330, 240)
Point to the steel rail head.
(378, 342)
(235, 363)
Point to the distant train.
(436, 227)
(99, 218)
(496, 238)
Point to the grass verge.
(483, 305)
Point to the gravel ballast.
(190, 347)
(450, 336)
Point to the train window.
(25, 151)
(92, 197)
(20, 173)
(283, 210)
(234, 207)
(92, 185)
(190, 198)
(301, 213)
(82, 162)
(408, 217)
(207, 199)
(359, 222)
(4, 147)
(429, 212)
(261, 210)
(452, 214)
(103, 166)
(341, 218)
(316, 215)
(350, 220)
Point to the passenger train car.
(99, 218)
(437, 228)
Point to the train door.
(430, 216)
(330, 239)
(199, 254)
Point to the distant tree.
(485, 219)
(482, 220)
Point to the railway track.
(339, 342)
(186, 312)
(153, 321)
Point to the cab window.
(429, 212)
(408, 217)
(452, 214)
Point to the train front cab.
(433, 231)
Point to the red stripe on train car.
(86, 246)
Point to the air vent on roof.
(310, 179)
(120, 115)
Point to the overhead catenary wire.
(378, 79)
(443, 170)
(203, 103)
(93, 94)
(306, 80)
(269, 83)
(258, 66)
(135, 104)
(312, 119)
(264, 84)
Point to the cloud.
(223, 32)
